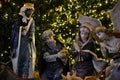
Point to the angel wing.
(115, 17)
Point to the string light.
(1, 54)
(6, 15)
(98, 49)
(106, 1)
(99, 4)
(5, 52)
(102, 12)
(13, 4)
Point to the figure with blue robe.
(23, 50)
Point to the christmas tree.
(59, 15)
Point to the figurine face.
(84, 32)
(101, 35)
(49, 39)
(50, 42)
(28, 12)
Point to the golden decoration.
(29, 4)
(0, 5)
(64, 52)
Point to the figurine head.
(85, 31)
(48, 37)
(101, 32)
(47, 34)
(27, 10)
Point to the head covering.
(86, 24)
(25, 7)
(92, 21)
(85, 27)
(47, 33)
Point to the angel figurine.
(110, 47)
(110, 44)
